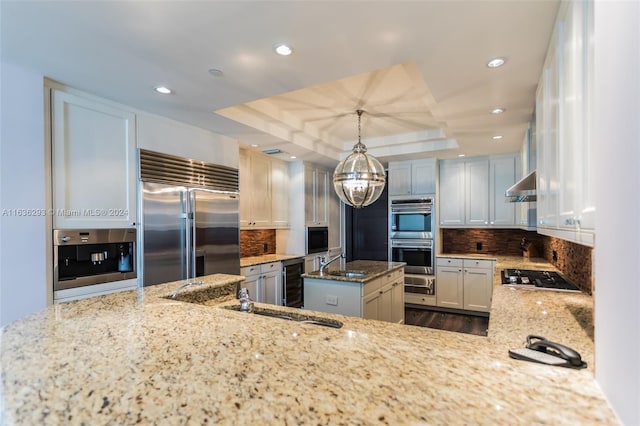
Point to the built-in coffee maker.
(88, 257)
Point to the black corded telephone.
(541, 350)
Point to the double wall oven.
(412, 227)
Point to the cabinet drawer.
(392, 275)
(478, 263)
(448, 261)
(419, 299)
(250, 270)
(373, 286)
(270, 267)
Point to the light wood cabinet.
(412, 178)
(94, 163)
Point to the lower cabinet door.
(253, 283)
(272, 288)
(370, 306)
(450, 290)
(385, 303)
(397, 302)
(477, 289)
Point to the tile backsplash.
(573, 260)
(257, 242)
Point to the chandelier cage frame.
(360, 178)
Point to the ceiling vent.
(272, 151)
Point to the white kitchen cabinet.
(279, 194)
(476, 190)
(449, 283)
(378, 299)
(253, 282)
(464, 283)
(451, 199)
(397, 300)
(503, 173)
(566, 206)
(412, 178)
(94, 163)
(264, 282)
(316, 181)
(255, 190)
(472, 191)
(477, 284)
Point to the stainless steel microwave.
(317, 239)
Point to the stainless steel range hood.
(523, 190)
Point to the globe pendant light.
(359, 179)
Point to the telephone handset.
(539, 349)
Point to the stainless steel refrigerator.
(188, 230)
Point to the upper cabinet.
(566, 207)
(472, 191)
(412, 178)
(264, 191)
(93, 163)
(316, 187)
(279, 193)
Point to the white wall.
(616, 132)
(23, 244)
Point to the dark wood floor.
(447, 321)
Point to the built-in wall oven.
(411, 235)
(412, 219)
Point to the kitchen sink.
(347, 273)
(290, 316)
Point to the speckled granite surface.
(372, 268)
(266, 258)
(138, 357)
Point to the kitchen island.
(138, 356)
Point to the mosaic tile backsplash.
(573, 260)
(257, 242)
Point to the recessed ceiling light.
(254, 145)
(293, 157)
(497, 137)
(164, 90)
(460, 155)
(496, 62)
(497, 111)
(283, 49)
(216, 72)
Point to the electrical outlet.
(554, 255)
(479, 245)
(265, 247)
(331, 300)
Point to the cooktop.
(545, 280)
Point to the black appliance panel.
(539, 279)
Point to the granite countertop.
(266, 258)
(137, 356)
(372, 268)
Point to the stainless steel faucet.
(183, 286)
(246, 305)
(324, 263)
